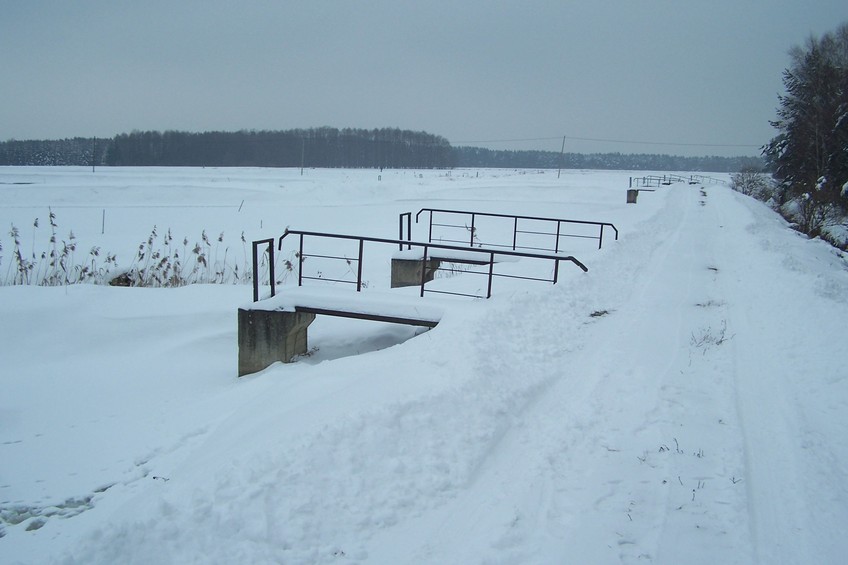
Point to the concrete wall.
(268, 336)
(407, 272)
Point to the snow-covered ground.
(684, 401)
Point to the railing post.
(408, 216)
(601, 238)
(430, 231)
(271, 274)
(556, 270)
(472, 230)
(556, 244)
(255, 272)
(424, 270)
(515, 234)
(300, 263)
(491, 273)
(255, 252)
(359, 267)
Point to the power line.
(667, 143)
(513, 140)
(633, 142)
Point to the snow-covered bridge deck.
(370, 305)
(275, 329)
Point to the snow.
(417, 253)
(362, 303)
(681, 402)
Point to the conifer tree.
(810, 153)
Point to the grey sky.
(676, 72)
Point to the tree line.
(477, 157)
(52, 152)
(809, 155)
(317, 147)
(330, 148)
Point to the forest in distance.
(328, 147)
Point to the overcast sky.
(690, 77)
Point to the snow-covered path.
(682, 402)
(614, 453)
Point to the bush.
(755, 183)
(157, 263)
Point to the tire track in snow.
(706, 513)
(647, 346)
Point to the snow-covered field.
(682, 402)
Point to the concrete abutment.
(268, 336)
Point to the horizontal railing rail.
(471, 227)
(429, 251)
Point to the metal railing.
(705, 179)
(657, 181)
(556, 224)
(487, 258)
(654, 180)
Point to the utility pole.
(561, 152)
